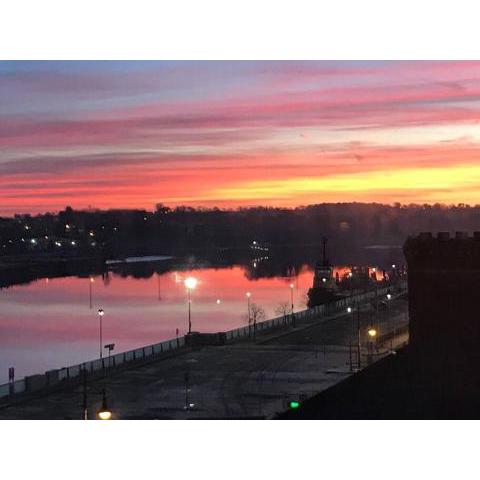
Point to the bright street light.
(349, 309)
(372, 333)
(190, 284)
(101, 313)
(104, 413)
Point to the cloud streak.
(129, 134)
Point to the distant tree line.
(184, 229)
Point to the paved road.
(245, 380)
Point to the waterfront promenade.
(247, 378)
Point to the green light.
(294, 404)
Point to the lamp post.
(372, 335)
(350, 310)
(109, 347)
(101, 313)
(248, 295)
(387, 312)
(91, 280)
(104, 413)
(291, 302)
(190, 284)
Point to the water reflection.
(52, 322)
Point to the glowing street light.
(91, 280)
(104, 413)
(372, 334)
(101, 313)
(248, 295)
(349, 309)
(218, 301)
(190, 284)
(389, 296)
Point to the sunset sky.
(228, 134)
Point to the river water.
(53, 322)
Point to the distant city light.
(393, 266)
(389, 296)
(33, 241)
(248, 294)
(324, 280)
(92, 234)
(291, 285)
(349, 309)
(73, 242)
(294, 404)
(218, 301)
(372, 332)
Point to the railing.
(315, 312)
(53, 377)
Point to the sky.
(231, 133)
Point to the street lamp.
(109, 347)
(104, 413)
(190, 284)
(372, 334)
(291, 301)
(248, 295)
(350, 310)
(90, 291)
(101, 313)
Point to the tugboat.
(324, 288)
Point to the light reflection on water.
(49, 323)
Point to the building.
(443, 284)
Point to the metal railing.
(309, 313)
(53, 377)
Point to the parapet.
(460, 251)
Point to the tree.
(283, 309)
(257, 313)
